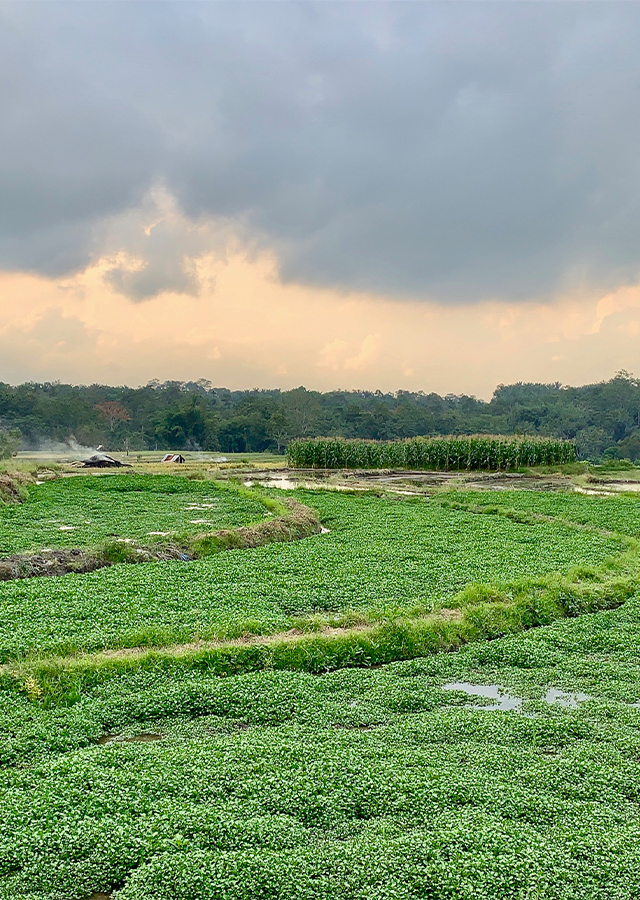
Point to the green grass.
(357, 784)
(383, 559)
(88, 510)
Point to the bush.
(9, 442)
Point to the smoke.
(68, 448)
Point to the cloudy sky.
(421, 195)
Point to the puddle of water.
(200, 522)
(201, 506)
(593, 492)
(163, 533)
(142, 738)
(286, 484)
(67, 528)
(503, 700)
(569, 699)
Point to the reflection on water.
(566, 698)
(593, 491)
(286, 484)
(503, 700)
(609, 488)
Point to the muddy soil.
(10, 490)
(65, 561)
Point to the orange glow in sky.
(247, 329)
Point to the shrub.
(9, 442)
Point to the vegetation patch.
(282, 722)
(446, 453)
(385, 559)
(295, 522)
(480, 612)
(355, 784)
(89, 511)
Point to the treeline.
(603, 418)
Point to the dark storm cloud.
(452, 151)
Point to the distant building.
(173, 458)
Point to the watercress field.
(88, 509)
(220, 757)
(382, 558)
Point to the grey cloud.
(167, 266)
(446, 151)
(161, 249)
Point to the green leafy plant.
(9, 442)
(446, 453)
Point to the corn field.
(451, 453)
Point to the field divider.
(478, 612)
(524, 517)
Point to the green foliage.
(485, 613)
(354, 785)
(9, 442)
(195, 415)
(91, 510)
(383, 559)
(447, 453)
(400, 782)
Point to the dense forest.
(602, 418)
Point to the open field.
(147, 460)
(507, 769)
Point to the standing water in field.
(504, 700)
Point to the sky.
(405, 195)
